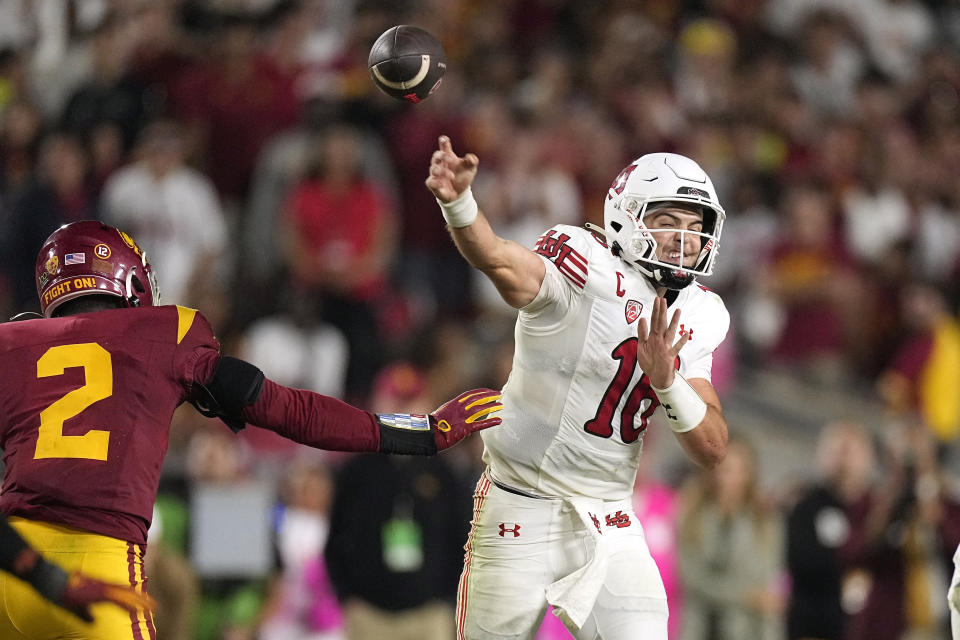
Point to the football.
(407, 63)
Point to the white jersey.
(576, 404)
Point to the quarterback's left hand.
(656, 351)
(468, 412)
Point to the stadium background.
(243, 145)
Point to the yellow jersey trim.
(185, 318)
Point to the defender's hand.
(656, 354)
(468, 412)
(83, 591)
(450, 175)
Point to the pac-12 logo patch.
(632, 310)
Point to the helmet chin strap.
(598, 230)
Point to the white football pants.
(519, 545)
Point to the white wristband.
(684, 407)
(460, 212)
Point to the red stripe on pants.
(483, 485)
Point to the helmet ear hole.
(616, 226)
(137, 285)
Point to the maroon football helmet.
(91, 258)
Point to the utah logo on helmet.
(92, 258)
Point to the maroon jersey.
(86, 404)
(86, 407)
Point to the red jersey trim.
(569, 262)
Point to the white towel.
(573, 595)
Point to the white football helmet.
(661, 178)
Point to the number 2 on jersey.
(602, 423)
(98, 370)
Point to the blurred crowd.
(242, 143)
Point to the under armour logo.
(515, 529)
(596, 521)
(686, 331)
